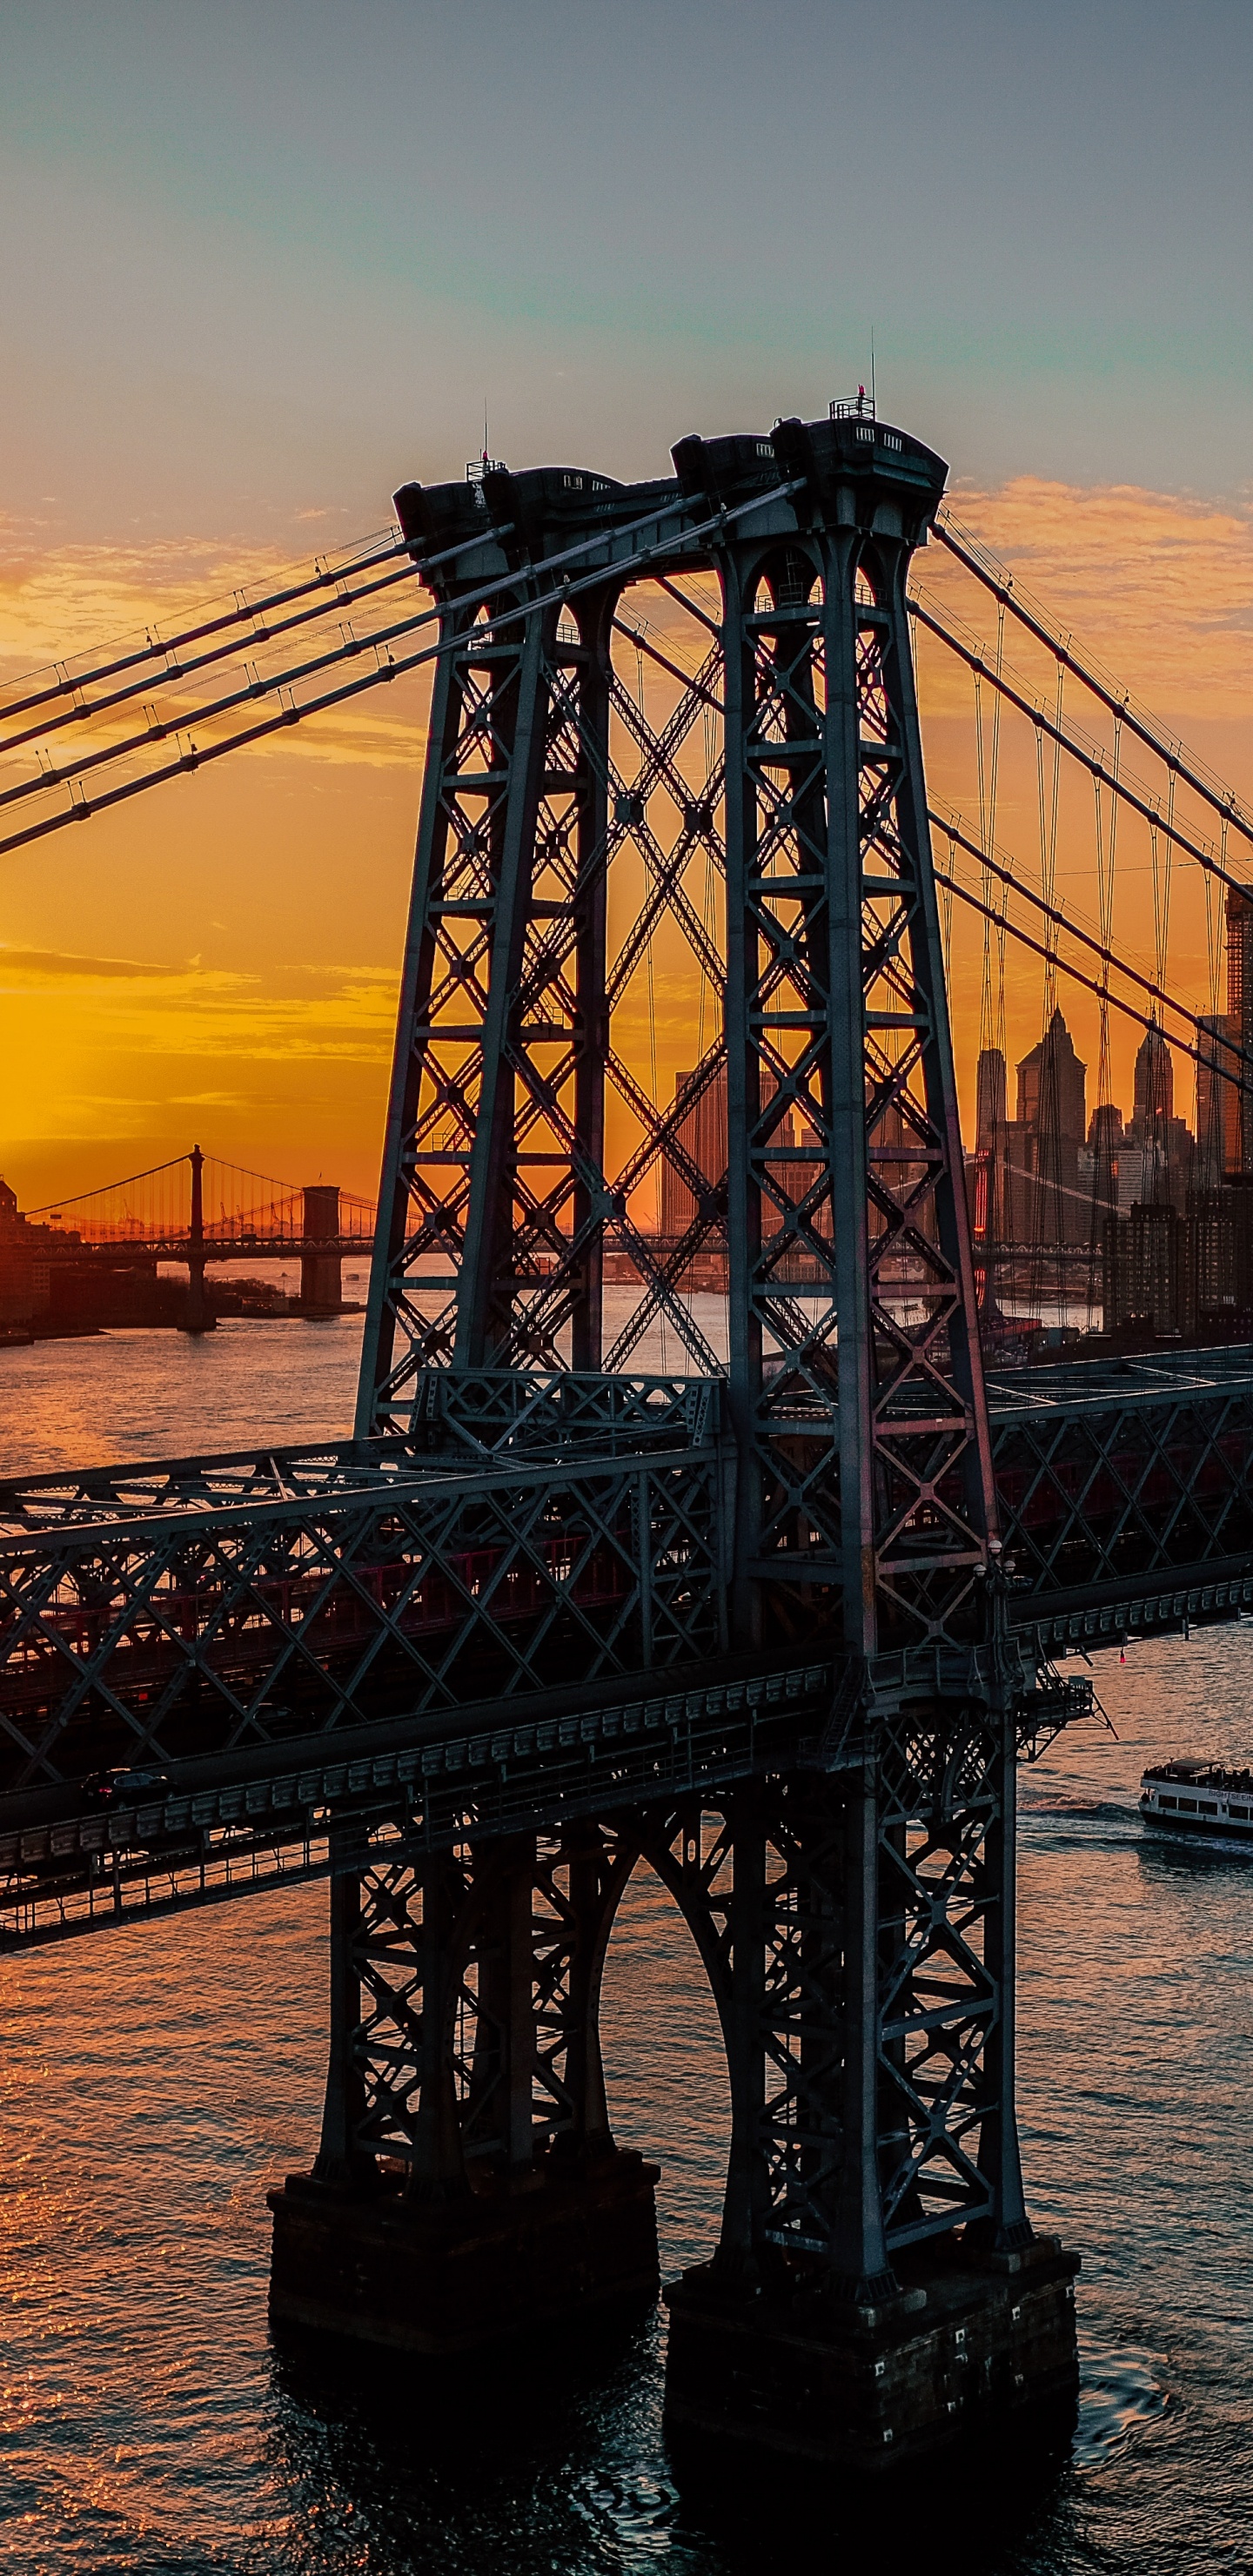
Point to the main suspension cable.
(552, 594)
(1144, 1019)
(1094, 761)
(256, 687)
(373, 550)
(127, 1182)
(164, 675)
(1057, 921)
(1001, 583)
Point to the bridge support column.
(196, 1316)
(877, 2288)
(321, 1272)
(467, 2188)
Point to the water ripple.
(1121, 2394)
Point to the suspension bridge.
(705, 1506)
(194, 1209)
(197, 1201)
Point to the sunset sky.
(263, 265)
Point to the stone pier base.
(439, 2277)
(865, 2388)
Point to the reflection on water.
(111, 1396)
(1122, 2391)
(128, 1395)
(155, 2081)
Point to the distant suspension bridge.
(196, 1203)
(195, 1208)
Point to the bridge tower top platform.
(845, 469)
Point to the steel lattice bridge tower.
(553, 1612)
(854, 1909)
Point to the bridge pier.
(877, 2286)
(467, 2186)
(965, 2343)
(196, 1315)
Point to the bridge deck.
(530, 1608)
(1125, 1490)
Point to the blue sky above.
(269, 261)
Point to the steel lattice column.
(488, 1245)
(854, 1934)
(468, 2186)
(465, 1990)
(865, 1488)
(865, 1461)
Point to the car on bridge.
(113, 1788)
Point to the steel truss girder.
(581, 1754)
(220, 1630)
(1109, 1499)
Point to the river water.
(155, 2081)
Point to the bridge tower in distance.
(877, 2282)
(321, 1273)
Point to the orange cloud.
(1157, 586)
(284, 873)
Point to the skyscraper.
(1154, 1085)
(1238, 1105)
(1052, 1086)
(991, 1096)
(1052, 1113)
(703, 1138)
(1105, 1144)
(1156, 1164)
(1213, 1091)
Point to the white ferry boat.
(1199, 1798)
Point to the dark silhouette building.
(991, 1096)
(1000, 1180)
(1052, 1118)
(1238, 1102)
(1213, 1088)
(1156, 1164)
(1154, 1083)
(702, 1136)
(1106, 1140)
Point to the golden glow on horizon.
(220, 960)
